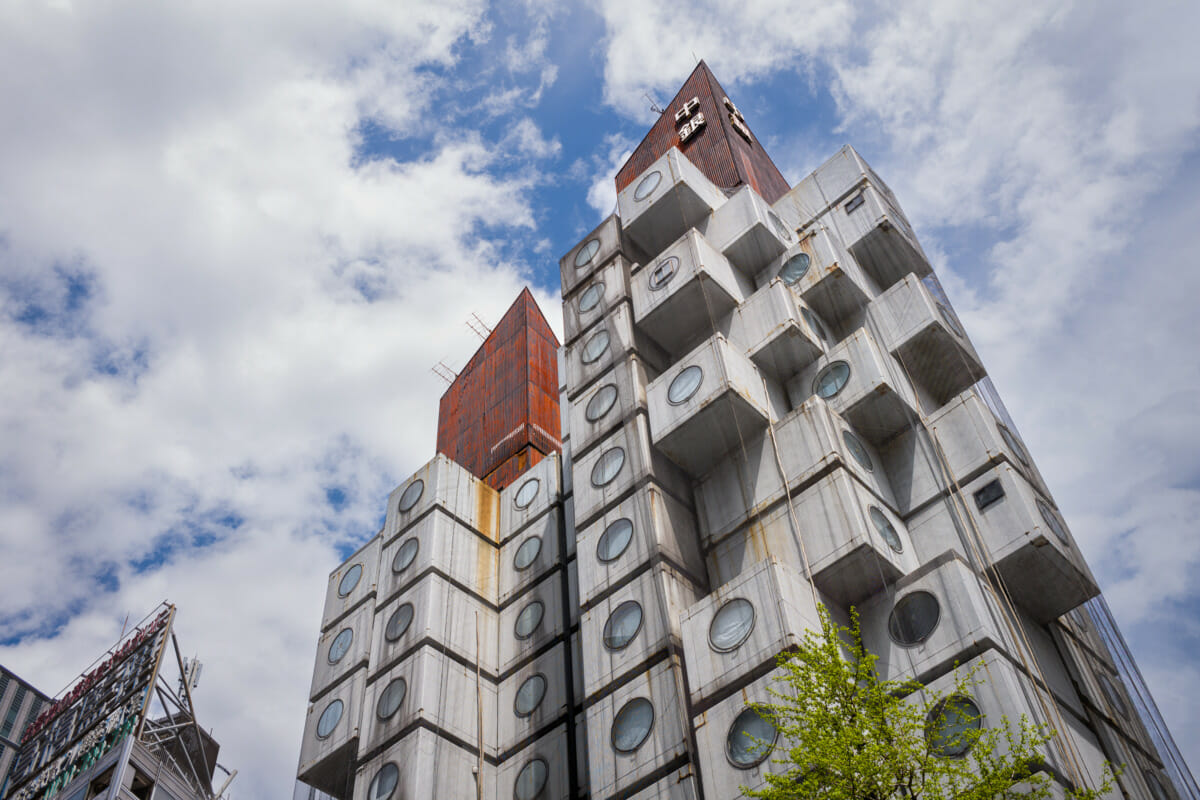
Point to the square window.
(989, 495)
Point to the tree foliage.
(844, 734)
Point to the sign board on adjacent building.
(103, 708)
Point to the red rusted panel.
(503, 406)
(724, 156)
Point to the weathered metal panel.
(545, 531)
(668, 199)
(429, 766)
(330, 760)
(771, 330)
(834, 286)
(748, 232)
(327, 673)
(878, 235)
(629, 378)
(584, 259)
(445, 545)
(623, 340)
(596, 296)
(513, 729)
(366, 563)
(550, 749)
(513, 650)
(451, 487)
(542, 481)
(721, 777)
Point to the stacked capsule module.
(770, 406)
(767, 406)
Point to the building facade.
(20, 704)
(767, 406)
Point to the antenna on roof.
(445, 373)
(653, 105)
(478, 326)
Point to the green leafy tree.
(845, 734)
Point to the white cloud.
(602, 193)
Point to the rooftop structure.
(768, 405)
(20, 704)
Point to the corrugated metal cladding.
(502, 409)
(720, 152)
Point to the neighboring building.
(20, 704)
(767, 404)
(122, 731)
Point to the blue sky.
(235, 238)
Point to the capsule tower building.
(764, 403)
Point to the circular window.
(601, 402)
(685, 385)
(527, 493)
(950, 321)
(607, 467)
(341, 643)
(815, 323)
(914, 618)
(587, 253)
(527, 553)
(780, 228)
(595, 347)
(614, 540)
(391, 698)
(1157, 790)
(832, 379)
(531, 780)
(856, 448)
(591, 298)
(1113, 695)
(886, 531)
(794, 268)
(405, 555)
(647, 185)
(411, 495)
(330, 717)
(528, 620)
(1053, 521)
(1013, 443)
(663, 272)
(384, 782)
(350, 580)
(397, 624)
(529, 695)
(750, 739)
(632, 725)
(949, 724)
(731, 625)
(623, 624)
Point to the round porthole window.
(528, 620)
(531, 780)
(831, 380)
(632, 725)
(412, 494)
(614, 540)
(586, 253)
(780, 228)
(1013, 443)
(950, 321)
(391, 698)
(1113, 696)
(858, 451)
(341, 643)
(349, 580)
(601, 402)
(529, 695)
(794, 268)
(527, 493)
(914, 618)
(623, 624)
(647, 185)
(750, 739)
(663, 272)
(330, 717)
(1053, 521)
(949, 725)
(886, 531)
(405, 555)
(527, 553)
(595, 347)
(384, 782)
(685, 385)
(731, 625)
(591, 297)
(815, 323)
(398, 622)
(607, 467)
